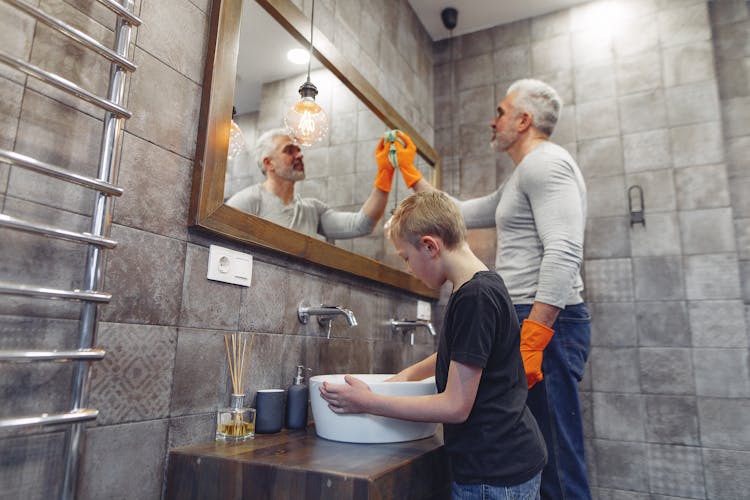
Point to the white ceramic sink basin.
(362, 428)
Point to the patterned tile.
(134, 380)
(676, 470)
(722, 479)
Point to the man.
(540, 214)
(280, 160)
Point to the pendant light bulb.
(236, 139)
(306, 121)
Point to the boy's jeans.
(524, 491)
(555, 404)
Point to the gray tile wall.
(165, 372)
(662, 102)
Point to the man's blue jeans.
(524, 491)
(555, 403)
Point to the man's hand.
(384, 177)
(406, 153)
(534, 338)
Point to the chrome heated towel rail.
(96, 238)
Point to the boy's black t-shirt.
(500, 443)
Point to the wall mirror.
(340, 169)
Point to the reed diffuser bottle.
(236, 423)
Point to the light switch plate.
(229, 266)
(424, 310)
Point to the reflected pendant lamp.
(306, 121)
(236, 138)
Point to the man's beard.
(503, 140)
(294, 174)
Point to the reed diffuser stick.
(238, 356)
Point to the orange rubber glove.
(534, 338)
(406, 153)
(384, 177)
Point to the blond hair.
(429, 213)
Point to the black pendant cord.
(312, 30)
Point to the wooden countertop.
(299, 465)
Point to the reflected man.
(280, 160)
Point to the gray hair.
(540, 100)
(265, 145)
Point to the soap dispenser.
(296, 402)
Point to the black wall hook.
(635, 204)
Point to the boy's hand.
(346, 398)
(384, 177)
(406, 153)
(534, 338)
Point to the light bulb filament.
(307, 124)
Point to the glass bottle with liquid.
(235, 423)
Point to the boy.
(492, 440)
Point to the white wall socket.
(424, 310)
(229, 266)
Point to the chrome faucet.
(326, 315)
(410, 326)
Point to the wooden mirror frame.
(207, 209)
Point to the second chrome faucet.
(410, 326)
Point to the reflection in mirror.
(337, 170)
(337, 173)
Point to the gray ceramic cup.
(269, 408)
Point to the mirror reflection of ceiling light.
(306, 121)
(298, 56)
